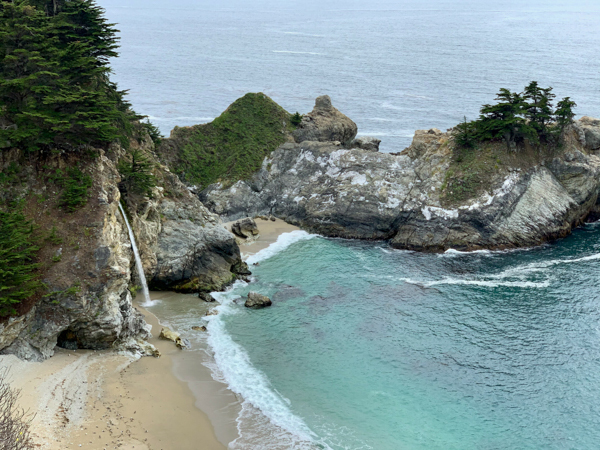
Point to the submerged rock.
(201, 328)
(206, 297)
(325, 123)
(256, 300)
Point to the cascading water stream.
(138, 261)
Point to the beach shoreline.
(102, 399)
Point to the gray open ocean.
(391, 66)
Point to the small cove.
(370, 347)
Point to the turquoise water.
(366, 347)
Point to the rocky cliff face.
(411, 198)
(87, 264)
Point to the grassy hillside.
(233, 146)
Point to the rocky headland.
(429, 197)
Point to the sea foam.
(234, 367)
(283, 241)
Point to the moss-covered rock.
(230, 148)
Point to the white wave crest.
(244, 379)
(283, 241)
(298, 53)
(483, 283)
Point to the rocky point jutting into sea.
(324, 180)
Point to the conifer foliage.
(17, 269)
(54, 76)
(517, 117)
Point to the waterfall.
(138, 261)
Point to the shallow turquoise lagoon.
(370, 347)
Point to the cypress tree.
(17, 278)
(55, 89)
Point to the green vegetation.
(137, 174)
(75, 189)
(152, 131)
(471, 172)
(233, 146)
(296, 119)
(17, 267)
(518, 117)
(525, 122)
(55, 90)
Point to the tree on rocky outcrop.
(14, 422)
(538, 108)
(18, 280)
(504, 120)
(137, 174)
(517, 118)
(564, 113)
(55, 89)
(465, 134)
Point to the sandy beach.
(104, 400)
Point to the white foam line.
(298, 53)
(483, 283)
(283, 241)
(236, 370)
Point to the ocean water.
(392, 66)
(367, 347)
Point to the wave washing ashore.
(409, 350)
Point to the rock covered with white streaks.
(353, 193)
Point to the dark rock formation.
(256, 300)
(368, 143)
(206, 297)
(354, 193)
(325, 123)
(245, 228)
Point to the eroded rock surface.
(325, 123)
(245, 228)
(353, 193)
(256, 300)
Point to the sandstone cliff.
(86, 261)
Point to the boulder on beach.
(245, 228)
(256, 300)
(169, 335)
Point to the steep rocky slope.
(428, 197)
(86, 260)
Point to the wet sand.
(103, 400)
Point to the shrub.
(14, 422)
(18, 280)
(296, 119)
(137, 174)
(75, 189)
